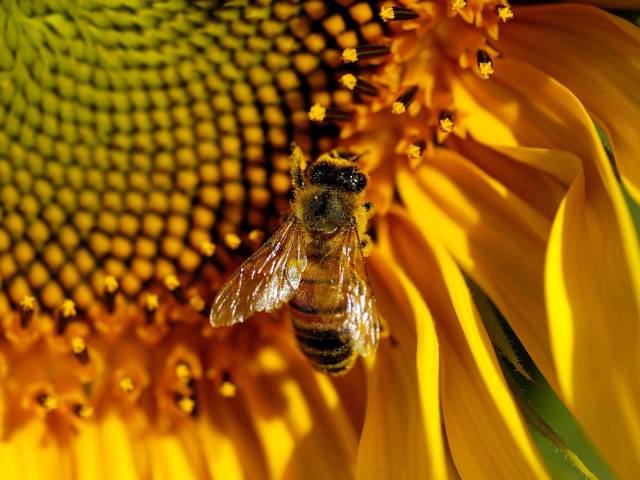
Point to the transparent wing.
(361, 313)
(265, 281)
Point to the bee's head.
(330, 173)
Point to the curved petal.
(402, 435)
(487, 435)
(301, 426)
(597, 56)
(592, 269)
(478, 220)
(613, 4)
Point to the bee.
(315, 263)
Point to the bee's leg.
(296, 161)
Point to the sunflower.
(144, 154)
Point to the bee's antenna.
(355, 158)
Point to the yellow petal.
(597, 56)
(487, 435)
(304, 431)
(592, 270)
(402, 435)
(475, 218)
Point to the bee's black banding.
(333, 354)
(309, 310)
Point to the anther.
(48, 402)
(207, 249)
(485, 65)
(151, 307)
(198, 303)
(363, 52)
(111, 287)
(458, 5)
(67, 314)
(27, 307)
(79, 348)
(359, 85)
(232, 241)
(256, 236)
(126, 385)
(83, 411)
(318, 113)
(186, 404)
(173, 285)
(445, 123)
(183, 372)
(404, 100)
(415, 150)
(227, 388)
(397, 13)
(504, 12)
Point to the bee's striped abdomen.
(317, 313)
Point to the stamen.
(227, 388)
(198, 303)
(363, 52)
(504, 12)
(404, 101)
(48, 402)
(126, 384)
(232, 241)
(27, 307)
(186, 404)
(359, 85)
(415, 150)
(173, 285)
(152, 305)
(207, 249)
(397, 13)
(446, 122)
(318, 113)
(111, 287)
(79, 348)
(67, 314)
(485, 65)
(83, 411)
(183, 372)
(458, 5)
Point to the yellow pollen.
(349, 55)
(256, 235)
(68, 308)
(126, 384)
(172, 282)
(28, 303)
(232, 240)
(197, 303)
(349, 81)
(207, 249)
(484, 70)
(398, 107)
(317, 113)
(414, 152)
(386, 14)
(183, 371)
(446, 125)
(186, 404)
(504, 13)
(227, 389)
(458, 5)
(152, 302)
(111, 284)
(48, 402)
(83, 411)
(78, 345)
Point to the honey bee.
(315, 262)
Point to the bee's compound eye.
(352, 180)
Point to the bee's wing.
(265, 281)
(361, 313)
